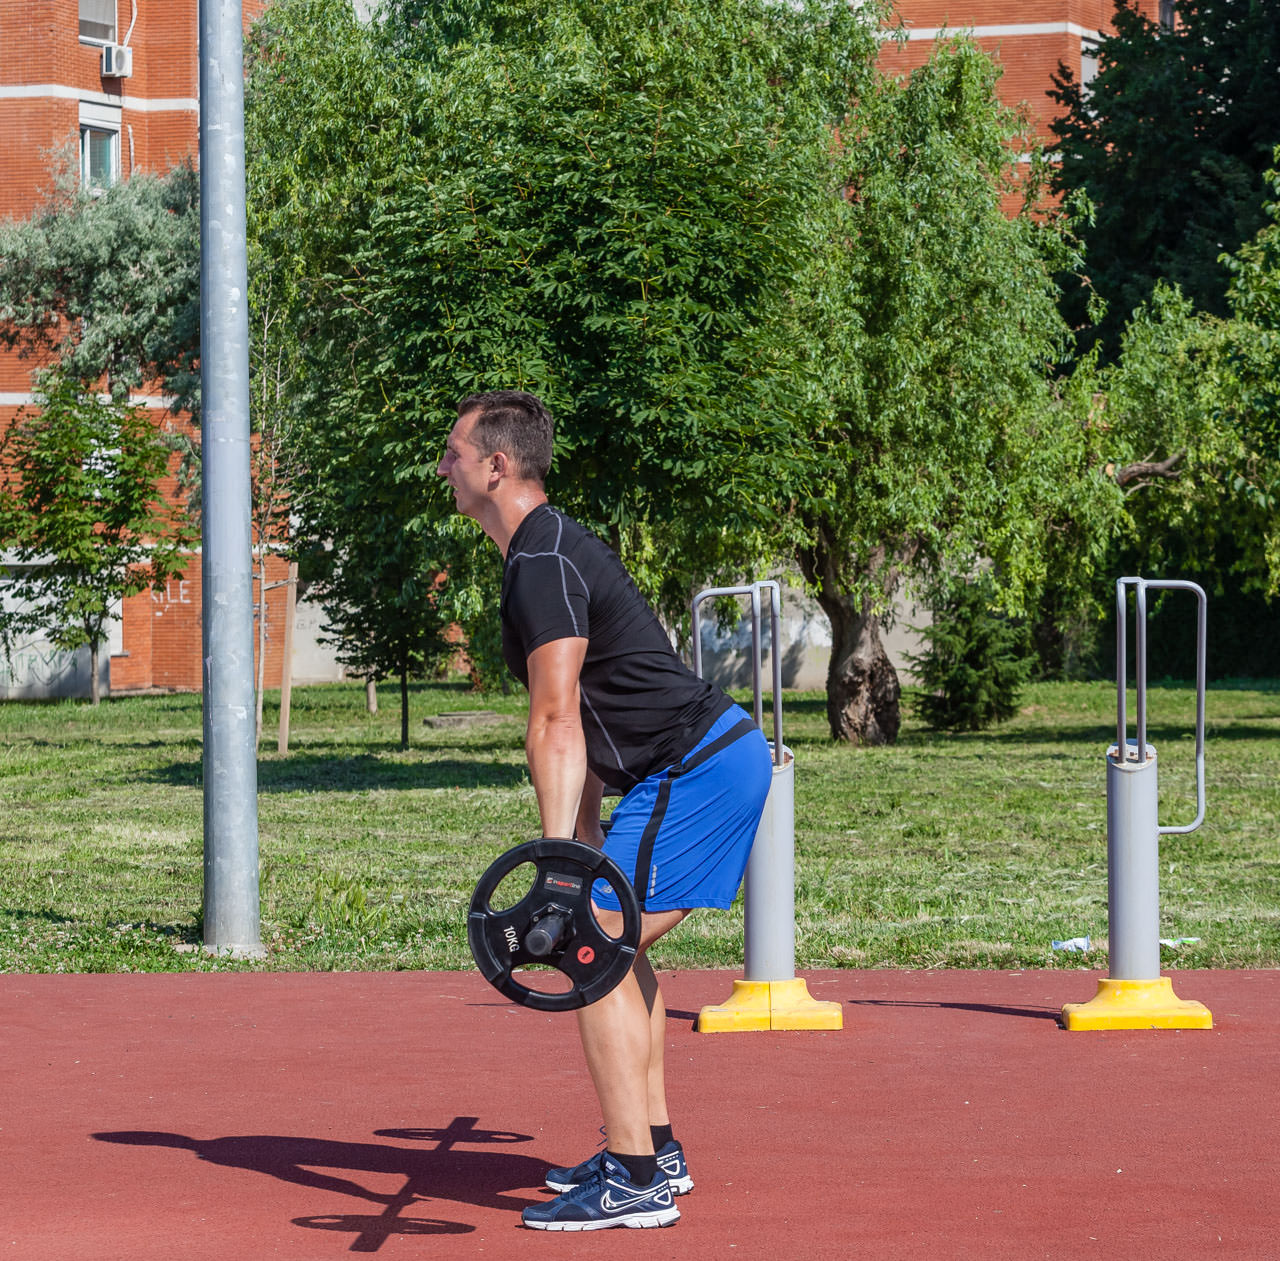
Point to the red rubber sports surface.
(240, 1117)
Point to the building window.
(99, 145)
(1088, 65)
(99, 158)
(98, 21)
(1168, 14)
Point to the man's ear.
(499, 465)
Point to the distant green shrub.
(976, 660)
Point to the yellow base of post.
(757, 1005)
(1136, 1005)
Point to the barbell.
(554, 923)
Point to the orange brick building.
(119, 81)
(1029, 40)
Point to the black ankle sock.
(640, 1169)
(661, 1135)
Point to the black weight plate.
(565, 872)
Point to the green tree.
(608, 203)
(109, 283)
(1254, 331)
(1167, 428)
(278, 393)
(82, 518)
(1183, 424)
(376, 574)
(1185, 469)
(276, 455)
(939, 439)
(975, 661)
(770, 298)
(326, 122)
(1169, 142)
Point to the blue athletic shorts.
(683, 835)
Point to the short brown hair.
(515, 423)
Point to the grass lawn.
(943, 851)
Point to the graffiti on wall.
(34, 668)
(175, 591)
(36, 664)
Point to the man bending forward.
(610, 705)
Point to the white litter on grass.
(1179, 941)
(1078, 944)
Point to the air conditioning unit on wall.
(117, 61)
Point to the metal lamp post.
(231, 911)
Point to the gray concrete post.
(769, 995)
(1133, 864)
(231, 911)
(1135, 995)
(769, 886)
(1133, 825)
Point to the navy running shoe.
(671, 1161)
(606, 1198)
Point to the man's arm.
(589, 830)
(553, 742)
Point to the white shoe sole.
(636, 1221)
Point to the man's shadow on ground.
(437, 1172)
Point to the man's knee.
(653, 924)
(656, 924)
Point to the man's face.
(463, 466)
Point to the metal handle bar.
(1137, 752)
(775, 602)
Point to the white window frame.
(102, 119)
(95, 40)
(1088, 64)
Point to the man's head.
(514, 423)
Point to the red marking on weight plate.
(586, 955)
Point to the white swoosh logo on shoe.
(631, 1198)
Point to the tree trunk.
(404, 706)
(261, 673)
(863, 693)
(95, 687)
(286, 663)
(371, 695)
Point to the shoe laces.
(587, 1186)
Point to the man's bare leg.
(619, 1033)
(652, 995)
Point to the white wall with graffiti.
(33, 669)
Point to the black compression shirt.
(642, 707)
